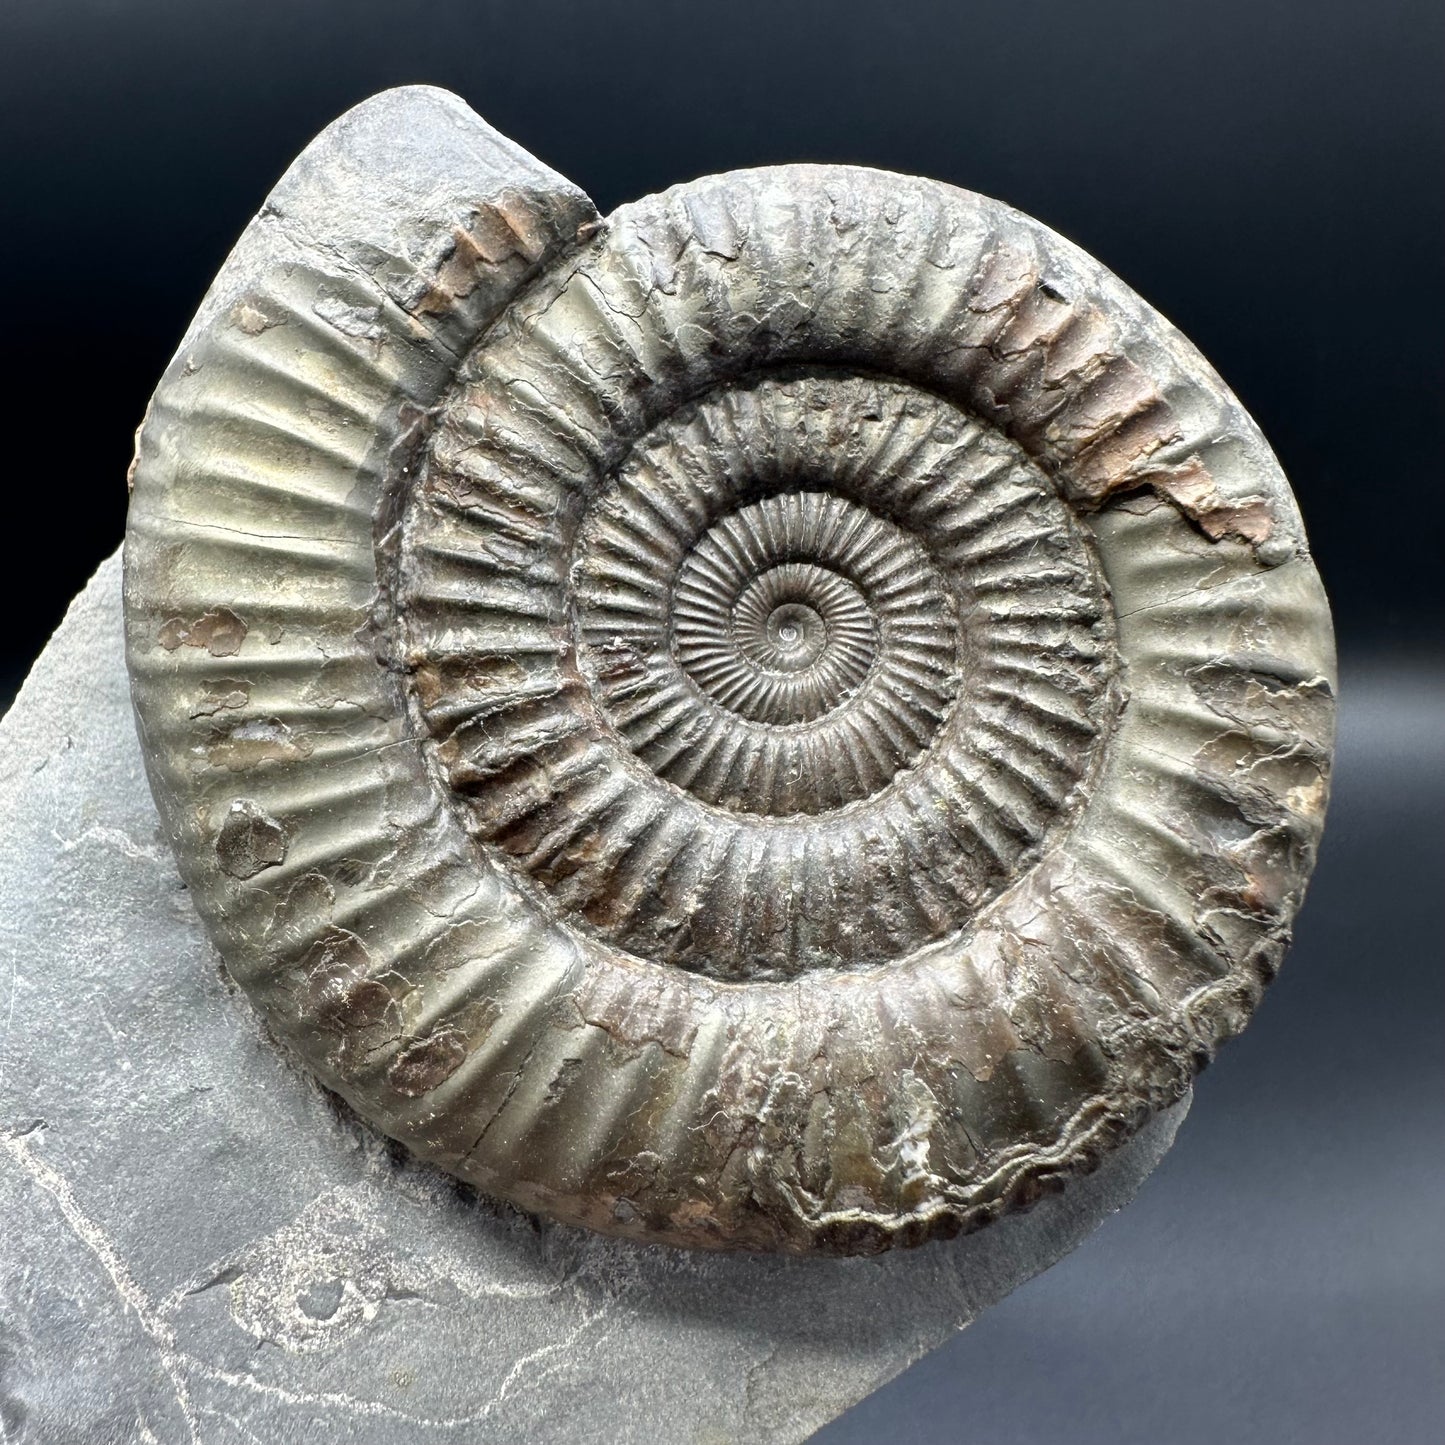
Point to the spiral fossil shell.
(791, 717)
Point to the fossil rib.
(789, 718)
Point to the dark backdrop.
(1268, 174)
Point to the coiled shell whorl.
(789, 718)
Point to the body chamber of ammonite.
(790, 717)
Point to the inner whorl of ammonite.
(776, 639)
(799, 677)
(796, 656)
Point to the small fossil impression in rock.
(792, 717)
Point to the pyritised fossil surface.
(790, 717)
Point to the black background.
(1269, 175)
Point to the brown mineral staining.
(254, 743)
(135, 452)
(1194, 491)
(249, 840)
(223, 695)
(421, 1066)
(435, 681)
(220, 631)
(339, 992)
(500, 231)
(1004, 276)
(1117, 424)
(330, 686)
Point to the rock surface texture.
(792, 717)
(199, 1244)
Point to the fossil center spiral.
(766, 634)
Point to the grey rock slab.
(200, 1244)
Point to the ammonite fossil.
(790, 717)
